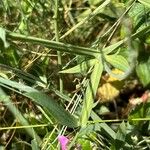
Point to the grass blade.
(59, 113)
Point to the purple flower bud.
(63, 142)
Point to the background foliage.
(74, 68)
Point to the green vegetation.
(73, 68)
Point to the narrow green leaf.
(112, 47)
(16, 85)
(59, 113)
(81, 68)
(118, 62)
(91, 91)
(22, 74)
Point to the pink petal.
(145, 96)
(63, 142)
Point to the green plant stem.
(57, 40)
(118, 120)
(62, 47)
(24, 127)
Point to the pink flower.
(145, 96)
(63, 142)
